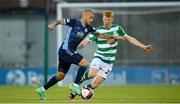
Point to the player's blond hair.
(88, 11)
(108, 13)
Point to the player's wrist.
(144, 47)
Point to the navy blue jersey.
(75, 34)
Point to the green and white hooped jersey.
(105, 51)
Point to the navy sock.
(51, 82)
(80, 73)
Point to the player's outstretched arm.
(98, 34)
(55, 23)
(83, 44)
(148, 48)
(101, 35)
(106, 36)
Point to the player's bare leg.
(92, 73)
(97, 81)
(84, 63)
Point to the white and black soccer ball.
(87, 93)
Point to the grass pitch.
(110, 94)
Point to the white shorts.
(102, 68)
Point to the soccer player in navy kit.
(67, 55)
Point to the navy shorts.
(66, 58)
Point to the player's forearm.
(55, 23)
(97, 34)
(106, 36)
(83, 44)
(100, 35)
(136, 43)
(80, 46)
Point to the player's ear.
(112, 19)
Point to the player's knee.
(84, 63)
(92, 73)
(60, 75)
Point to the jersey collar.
(82, 23)
(107, 28)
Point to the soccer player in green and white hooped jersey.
(106, 52)
(104, 56)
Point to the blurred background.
(28, 51)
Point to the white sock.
(76, 85)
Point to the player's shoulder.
(115, 25)
(99, 27)
(74, 19)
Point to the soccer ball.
(87, 93)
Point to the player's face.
(107, 20)
(88, 18)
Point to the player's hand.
(149, 49)
(111, 40)
(51, 26)
(103, 36)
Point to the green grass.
(110, 94)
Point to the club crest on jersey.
(80, 34)
(85, 30)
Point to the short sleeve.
(70, 22)
(92, 37)
(121, 32)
